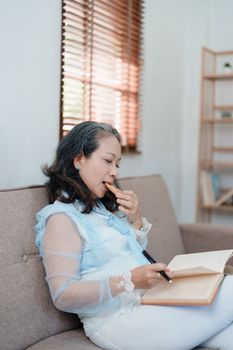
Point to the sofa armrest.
(205, 237)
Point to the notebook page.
(215, 260)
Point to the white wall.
(163, 95)
(29, 95)
(175, 30)
(197, 34)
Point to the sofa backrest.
(27, 314)
(164, 238)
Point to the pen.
(152, 261)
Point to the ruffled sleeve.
(142, 234)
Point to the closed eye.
(110, 161)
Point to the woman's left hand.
(128, 204)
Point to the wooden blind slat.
(101, 55)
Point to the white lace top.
(79, 261)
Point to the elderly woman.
(91, 241)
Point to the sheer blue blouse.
(81, 252)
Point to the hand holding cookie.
(128, 204)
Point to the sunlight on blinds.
(101, 55)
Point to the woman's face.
(102, 166)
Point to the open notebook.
(196, 281)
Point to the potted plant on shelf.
(227, 67)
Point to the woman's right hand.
(147, 276)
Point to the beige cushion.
(27, 314)
(70, 340)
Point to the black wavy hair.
(65, 183)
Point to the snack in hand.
(112, 188)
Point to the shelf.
(210, 165)
(223, 149)
(224, 108)
(215, 166)
(223, 76)
(217, 121)
(225, 207)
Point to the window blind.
(101, 61)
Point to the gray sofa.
(28, 318)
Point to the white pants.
(172, 327)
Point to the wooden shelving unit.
(216, 134)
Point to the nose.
(114, 170)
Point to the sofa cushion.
(27, 313)
(70, 340)
(164, 239)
